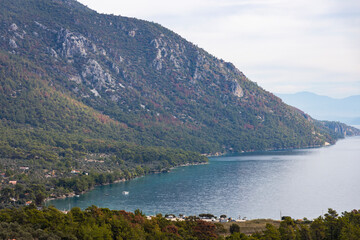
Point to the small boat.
(125, 192)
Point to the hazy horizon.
(320, 95)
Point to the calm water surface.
(298, 183)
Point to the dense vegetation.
(100, 223)
(41, 171)
(50, 134)
(88, 99)
(64, 66)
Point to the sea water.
(296, 183)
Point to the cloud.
(300, 44)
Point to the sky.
(285, 46)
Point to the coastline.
(165, 170)
(220, 154)
(217, 154)
(192, 174)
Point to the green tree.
(39, 198)
(305, 233)
(234, 228)
(317, 228)
(288, 229)
(271, 233)
(332, 225)
(238, 236)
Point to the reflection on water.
(299, 183)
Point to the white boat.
(125, 192)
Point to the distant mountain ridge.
(345, 110)
(71, 77)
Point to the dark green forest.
(101, 223)
(88, 99)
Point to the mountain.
(89, 99)
(345, 110)
(69, 74)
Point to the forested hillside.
(160, 89)
(121, 97)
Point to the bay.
(297, 183)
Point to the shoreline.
(220, 154)
(165, 170)
(83, 202)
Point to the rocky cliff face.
(341, 129)
(167, 90)
(165, 55)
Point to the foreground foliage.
(96, 223)
(102, 223)
(111, 98)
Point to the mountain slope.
(346, 110)
(135, 81)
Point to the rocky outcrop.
(43, 27)
(77, 48)
(77, 79)
(95, 92)
(161, 53)
(13, 27)
(12, 43)
(72, 44)
(236, 89)
(132, 33)
(168, 53)
(341, 129)
(200, 62)
(96, 76)
(52, 52)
